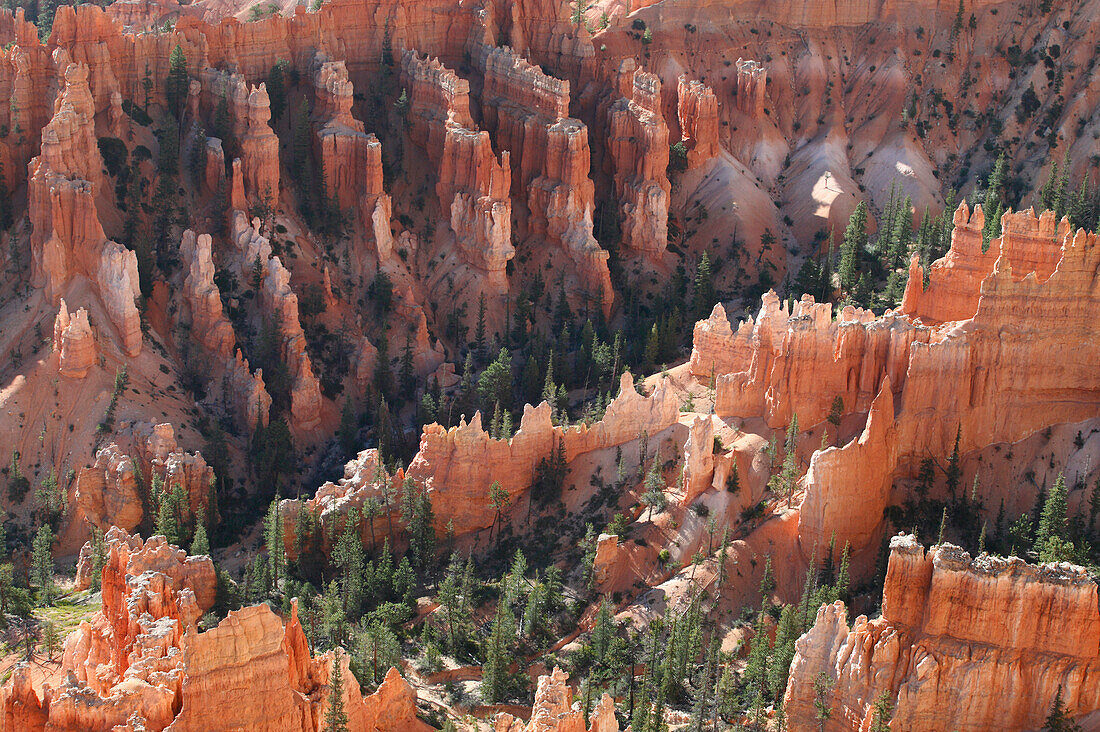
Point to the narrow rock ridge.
(457, 465)
(282, 303)
(638, 144)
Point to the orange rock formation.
(108, 492)
(351, 159)
(209, 325)
(963, 643)
(473, 186)
(752, 83)
(638, 144)
(281, 301)
(458, 465)
(528, 114)
(74, 342)
(989, 381)
(553, 710)
(140, 660)
(697, 111)
(67, 239)
(247, 392)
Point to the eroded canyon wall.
(986, 377)
(963, 643)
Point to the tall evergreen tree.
(177, 86)
(42, 563)
(200, 545)
(786, 633)
(336, 718)
(273, 541)
(883, 711)
(755, 676)
(1052, 542)
(993, 203)
(498, 655)
(855, 241)
(704, 286)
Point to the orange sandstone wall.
(963, 643)
(990, 376)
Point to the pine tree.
(168, 139)
(499, 501)
(276, 89)
(494, 677)
(823, 708)
(348, 558)
(1052, 536)
(786, 633)
(704, 286)
(51, 638)
(577, 15)
(336, 719)
(654, 497)
(167, 523)
(407, 374)
(419, 519)
(1094, 505)
(349, 428)
(42, 563)
(479, 330)
(843, 578)
(1059, 720)
(495, 382)
(954, 472)
(755, 676)
(883, 711)
(99, 557)
(454, 598)
(1046, 192)
(273, 541)
(1062, 192)
(1077, 211)
(379, 651)
(178, 85)
(993, 205)
(855, 241)
(200, 545)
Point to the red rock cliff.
(966, 644)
